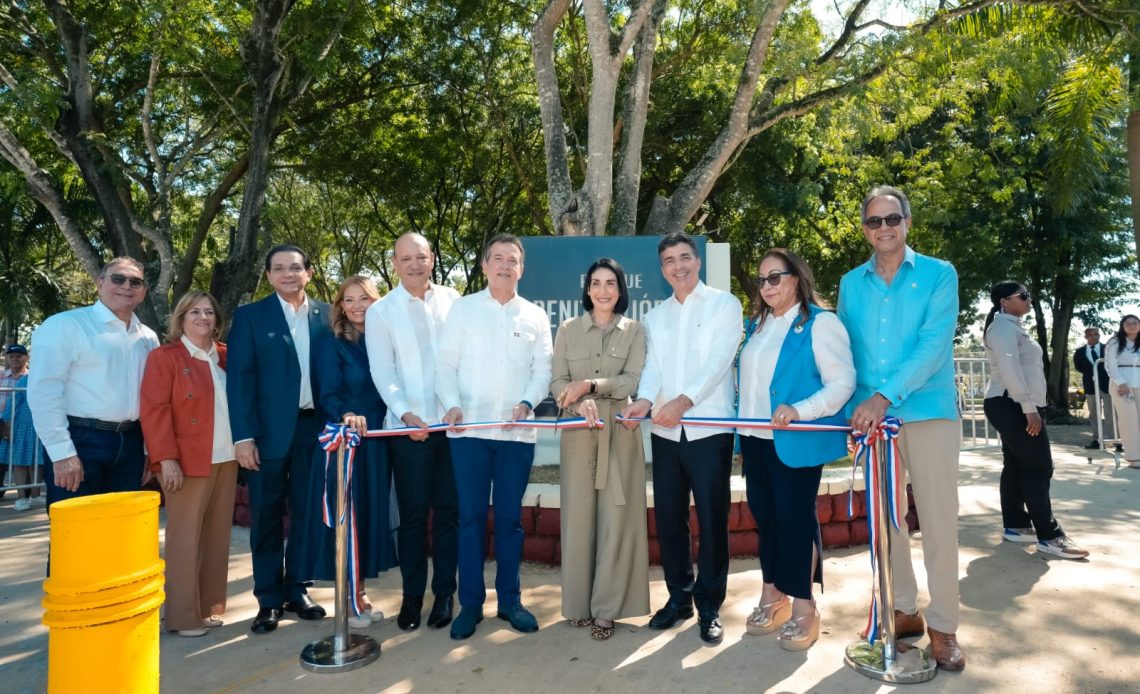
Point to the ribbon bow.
(866, 454)
(331, 440)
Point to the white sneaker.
(23, 504)
(1019, 535)
(366, 619)
(1062, 547)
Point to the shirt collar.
(620, 322)
(908, 259)
(700, 291)
(288, 307)
(412, 297)
(198, 353)
(106, 315)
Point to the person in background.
(270, 388)
(1015, 405)
(1122, 362)
(19, 445)
(186, 425)
(84, 391)
(795, 366)
(402, 341)
(1084, 359)
(598, 359)
(493, 365)
(347, 394)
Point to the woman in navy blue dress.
(346, 393)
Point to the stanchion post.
(883, 659)
(342, 651)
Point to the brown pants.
(198, 521)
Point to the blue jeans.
(112, 462)
(499, 470)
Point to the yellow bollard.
(102, 599)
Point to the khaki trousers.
(198, 521)
(930, 458)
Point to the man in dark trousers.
(275, 427)
(1083, 358)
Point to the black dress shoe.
(711, 631)
(441, 609)
(1092, 444)
(266, 620)
(409, 617)
(669, 615)
(305, 608)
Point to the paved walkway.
(1029, 623)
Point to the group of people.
(1116, 365)
(422, 355)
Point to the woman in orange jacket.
(186, 427)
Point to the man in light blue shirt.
(900, 309)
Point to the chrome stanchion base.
(909, 667)
(321, 656)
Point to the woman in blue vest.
(795, 366)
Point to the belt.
(307, 412)
(101, 425)
(1128, 366)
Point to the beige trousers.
(198, 521)
(930, 458)
(1128, 414)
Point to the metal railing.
(15, 451)
(971, 374)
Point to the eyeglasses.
(119, 280)
(892, 220)
(773, 278)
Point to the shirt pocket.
(614, 358)
(520, 346)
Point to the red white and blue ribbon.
(743, 423)
(331, 439)
(866, 454)
(539, 424)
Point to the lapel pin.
(798, 329)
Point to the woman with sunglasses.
(1122, 362)
(795, 366)
(1015, 401)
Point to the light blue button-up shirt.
(902, 336)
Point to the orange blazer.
(178, 408)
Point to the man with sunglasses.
(901, 309)
(84, 391)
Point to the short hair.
(122, 260)
(504, 238)
(885, 192)
(623, 291)
(342, 327)
(1090, 328)
(174, 330)
(286, 248)
(669, 240)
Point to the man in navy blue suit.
(271, 396)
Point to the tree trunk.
(1134, 141)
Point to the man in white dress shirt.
(493, 365)
(403, 330)
(84, 391)
(693, 337)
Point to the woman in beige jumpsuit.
(598, 358)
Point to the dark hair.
(805, 287)
(1001, 290)
(286, 248)
(623, 291)
(1121, 338)
(674, 239)
(504, 238)
(885, 192)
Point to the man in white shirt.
(693, 337)
(493, 365)
(270, 391)
(84, 391)
(403, 331)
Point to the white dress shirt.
(1015, 363)
(223, 448)
(493, 356)
(402, 340)
(88, 364)
(298, 322)
(1122, 367)
(831, 348)
(691, 348)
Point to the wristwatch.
(593, 386)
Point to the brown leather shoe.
(908, 625)
(945, 650)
